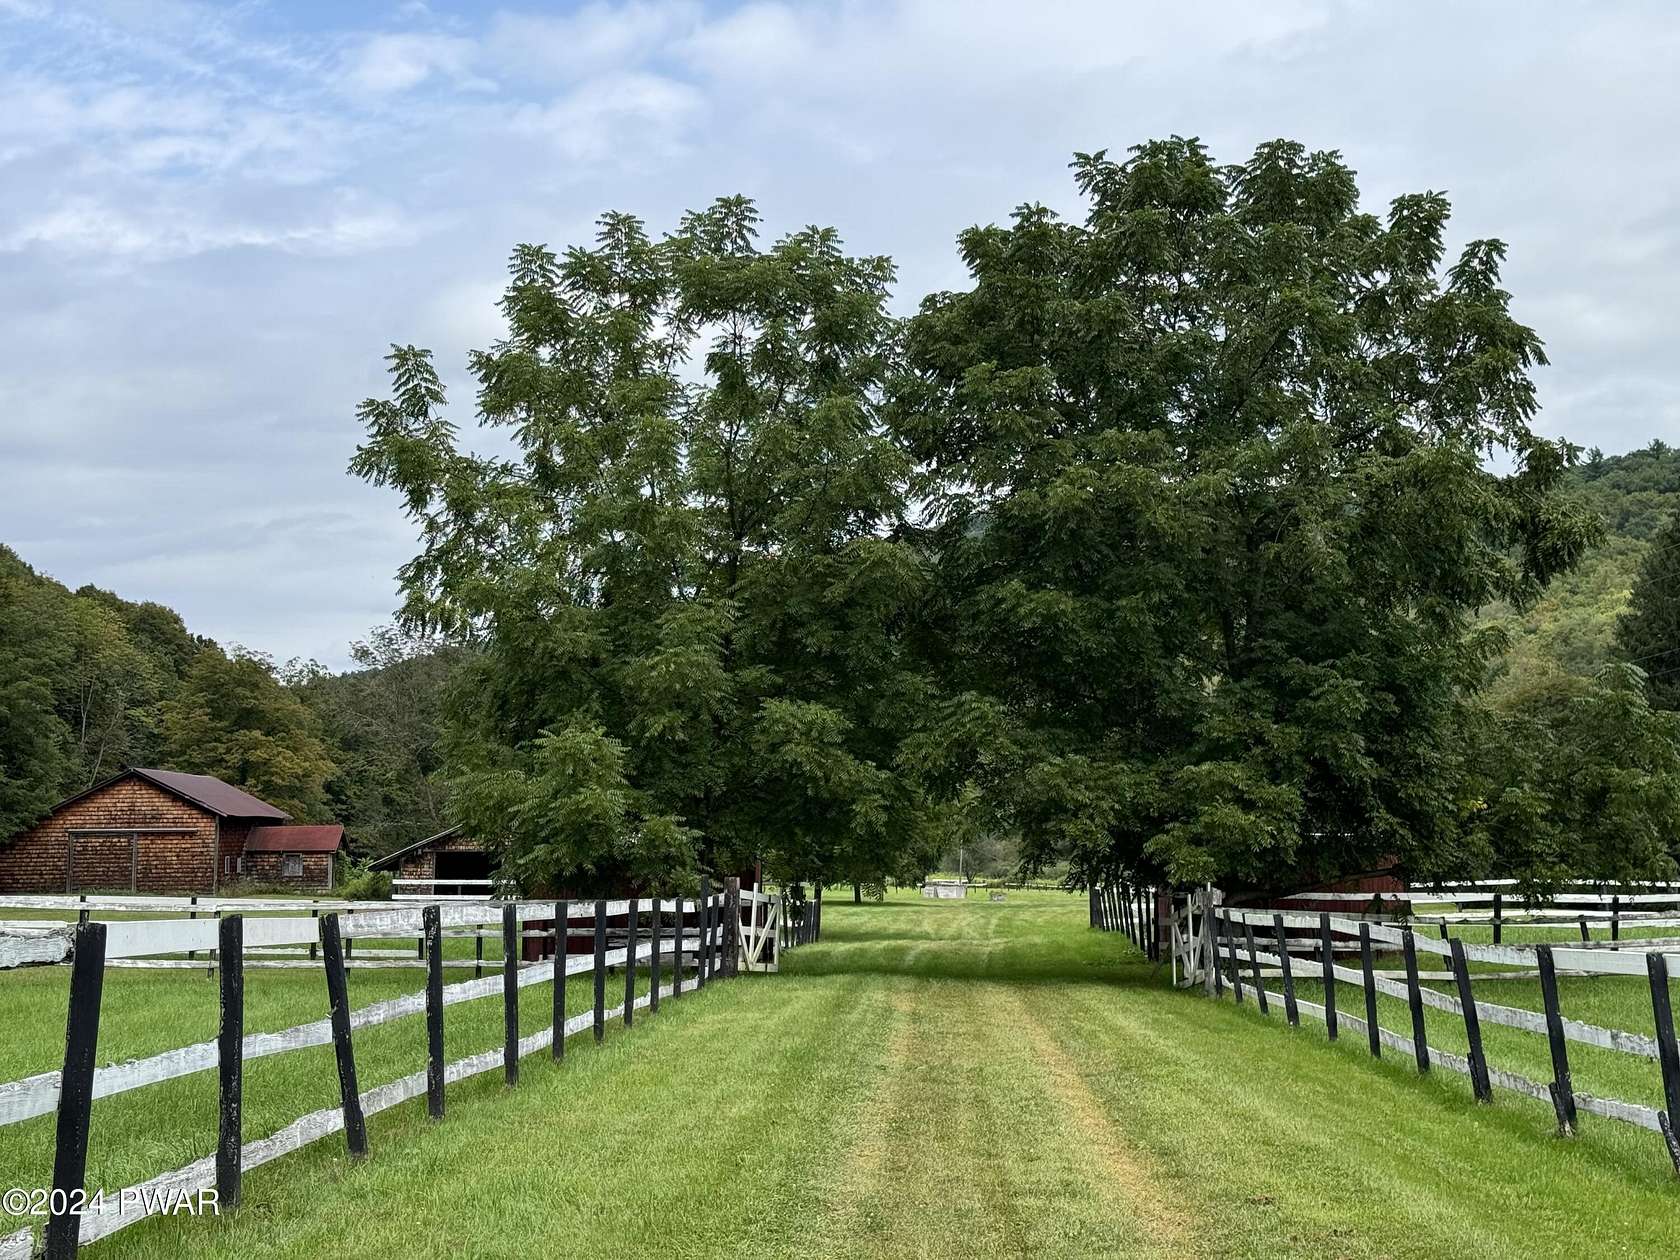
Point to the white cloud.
(631, 117)
(590, 41)
(385, 64)
(214, 218)
(86, 227)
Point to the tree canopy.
(233, 718)
(684, 589)
(1215, 499)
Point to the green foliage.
(1648, 632)
(1572, 628)
(87, 678)
(233, 718)
(383, 726)
(682, 588)
(357, 883)
(1579, 777)
(81, 679)
(1213, 509)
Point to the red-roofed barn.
(145, 830)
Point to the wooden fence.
(712, 936)
(1132, 909)
(1221, 947)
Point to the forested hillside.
(91, 682)
(1573, 626)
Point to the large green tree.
(1217, 479)
(1577, 777)
(682, 582)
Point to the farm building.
(448, 856)
(300, 855)
(145, 830)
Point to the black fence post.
(478, 951)
(677, 946)
(562, 952)
(230, 1056)
(1231, 948)
(1662, 1012)
(1254, 962)
(75, 1089)
(1324, 943)
(1216, 941)
(705, 973)
(431, 921)
(1498, 917)
(1291, 1012)
(1616, 918)
(510, 993)
(1479, 1080)
(1414, 998)
(1373, 1032)
(600, 970)
(653, 960)
(731, 927)
(1563, 1087)
(338, 998)
(1585, 934)
(632, 922)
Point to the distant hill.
(1573, 626)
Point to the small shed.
(449, 864)
(301, 855)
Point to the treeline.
(1572, 627)
(91, 682)
(1184, 543)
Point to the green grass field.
(966, 1079)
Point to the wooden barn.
(161, 831)
(441, 859)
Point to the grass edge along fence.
(707, 934)
(1215, 945)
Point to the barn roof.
(391, 859)
(298, 839)
(210, 792)
(204, 790)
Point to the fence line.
(707, 934)
(1220, 946)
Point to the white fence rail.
(697, 940)
(1220, 947)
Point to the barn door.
(103, 862)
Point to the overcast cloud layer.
(213, 220)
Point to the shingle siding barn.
(156, 831)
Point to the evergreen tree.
(1648, 633)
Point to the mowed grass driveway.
(964, 1079)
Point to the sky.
(215, 219)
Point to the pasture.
(943, 1079)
